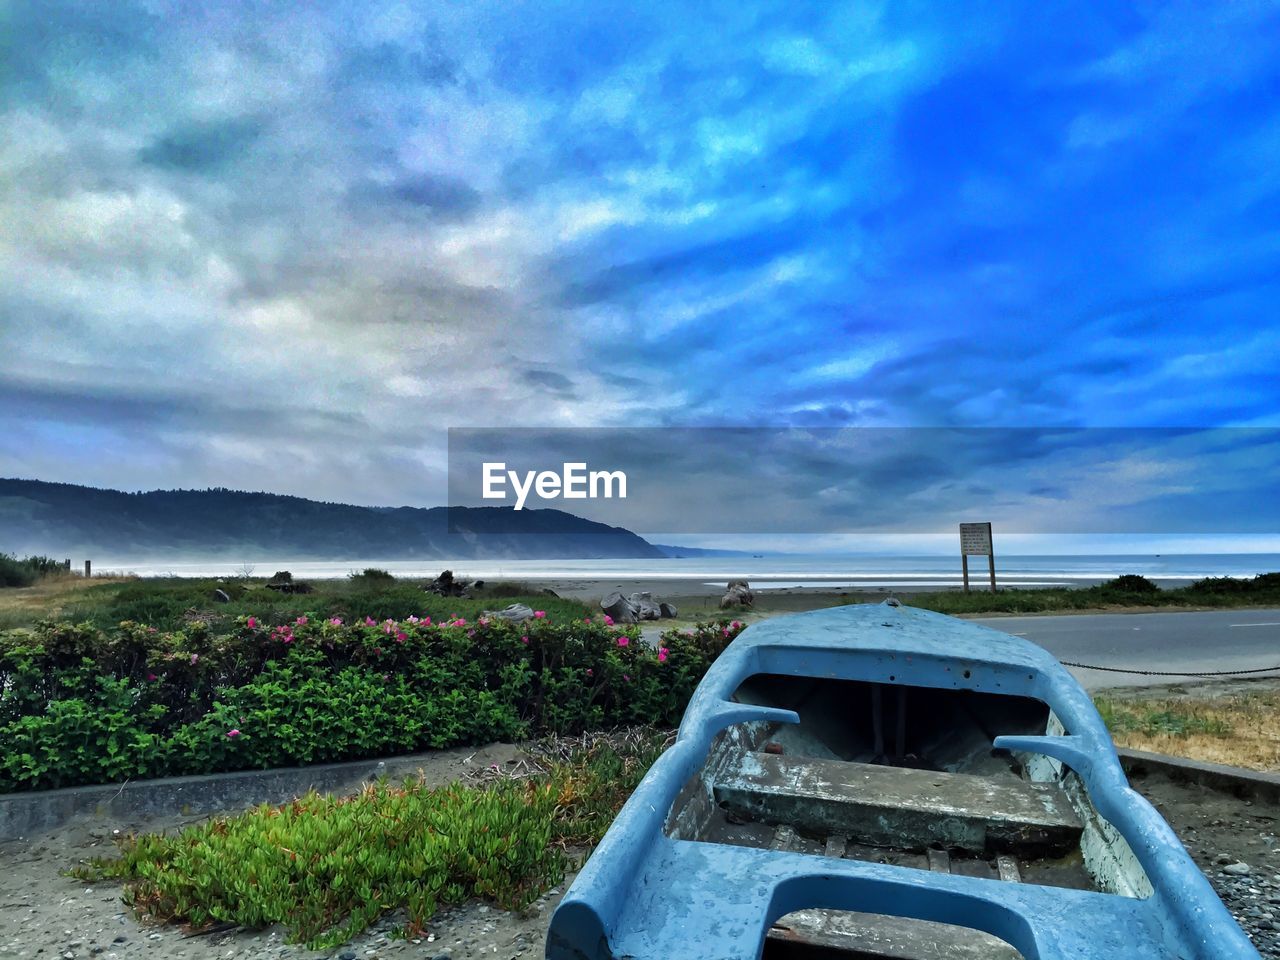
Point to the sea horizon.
(862, 570)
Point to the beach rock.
(668, 609)
(516, 613)
(619, 608)
(220, 596)
(738, 594)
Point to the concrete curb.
(28, 814)
(1237, 781)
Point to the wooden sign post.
(975, 541)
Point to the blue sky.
(285, 247)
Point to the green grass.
(1128, 591)
(170, 603)
(1238, 726)
(328, 867)
(1166, 719)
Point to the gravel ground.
(45, 916)
(1235, 843)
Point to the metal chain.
(1172, 673)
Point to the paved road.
(1214, 640)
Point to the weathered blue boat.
(881, 781)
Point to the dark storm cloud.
(441, 198)
(203, 147)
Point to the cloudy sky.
(284, 247)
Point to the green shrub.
(1263, 583)
(80, 705)
(25, 572)
(371, 578)
(1130, 583)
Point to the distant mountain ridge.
(63, 519)
(677, 552)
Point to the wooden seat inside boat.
(901, 808)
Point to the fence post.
(87, 568)
(67, 563)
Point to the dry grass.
(1238, 728)
(47, 598)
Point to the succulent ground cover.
(328, 867)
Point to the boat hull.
(848, 779)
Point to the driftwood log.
(446, 586)
(738, 594)
(646, 608)
(516, 613)
(619, 608)
(639, 606)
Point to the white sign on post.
(975, 541)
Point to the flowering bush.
(80, 705)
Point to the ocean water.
(766, 571)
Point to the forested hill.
(62, 519)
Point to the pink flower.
(233, 733)
(608, 620)
(301, 621)
(151, 676)
(726, 631)
(540, 614)
(662, 654)
(335, 621)
(736, 624)
(401, 637)
(388, 628)
(590, 672)
(471, 633)
(623, 640)
(427, 621)
(251, 622)
(369, 621)
(586, 619)
(524, 639)
(412, 618)
(194, 658)
(626, 676)
(386, 676)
